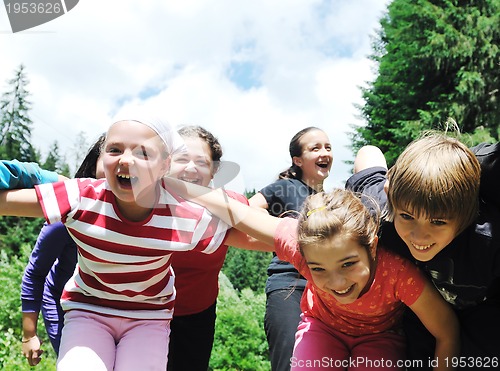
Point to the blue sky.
(254, 73)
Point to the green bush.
(16, 232)
(11, 358)
(240, 341)
(247, 269)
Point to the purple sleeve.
(50, 243)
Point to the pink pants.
(319, 347)
(96, 342)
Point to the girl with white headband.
(120, 300)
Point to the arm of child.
(53, 246)
(440, 320)
(254, 222)
(242, 240)
(30, 342)
(15, 174)
(258, 200)
(20, 202)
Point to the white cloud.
(311, 56)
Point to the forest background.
(436, 60)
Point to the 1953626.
(33, 8)
(472, 362)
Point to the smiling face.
(433, 193)
(341, 267)
(195, 165)
(133, 161)
(425, 237)
(316, 158)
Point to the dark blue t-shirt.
(285, 197)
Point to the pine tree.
(55, 162)
(81, 147)
(436, 59)
(15, 124)
(52, 160)
(15, 137)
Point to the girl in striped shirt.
(120, 301)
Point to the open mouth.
(191, 180)
(322, 164)
(126, 181)
(344, 292)
(421, 247)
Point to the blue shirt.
(15, 174)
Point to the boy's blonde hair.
(435, 177)
(325, 215)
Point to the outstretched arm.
(15, 174)
(242, 240)
(258, 200)
(440, 319)
(251, 221)
(20, 202)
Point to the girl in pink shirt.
(356, 292)
(196, 273)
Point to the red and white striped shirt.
(123, 266)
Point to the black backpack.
(489, 158)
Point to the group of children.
(53, 260)
(441, 221)
(365, 303)
(126, 226)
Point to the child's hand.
(31, 350)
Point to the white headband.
(165, 131)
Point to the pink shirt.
(197, 276)
(397, 282)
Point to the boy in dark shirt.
(437, 217)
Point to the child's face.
(341, 267)
(424, 237)
(195, 165)
(317, 158)
(133, 162)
